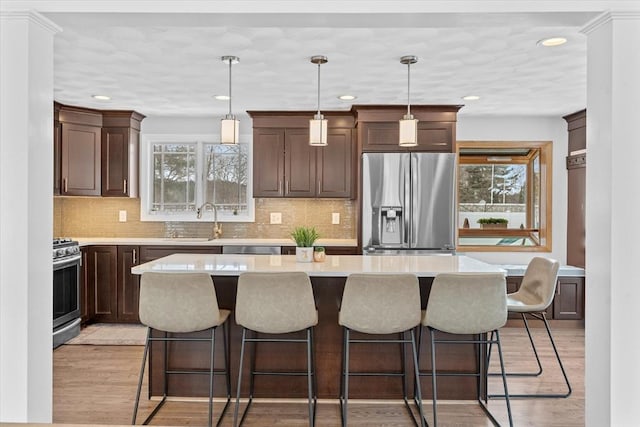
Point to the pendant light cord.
(408, 89)
(318, 88)
(230, 62)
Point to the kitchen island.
(328, 280)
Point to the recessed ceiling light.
(471, 97)
(102, 97)
(221, 97)
(552, 41)
(347, 97)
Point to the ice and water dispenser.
(389, 226)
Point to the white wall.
(516, 128)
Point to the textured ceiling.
(173, 69)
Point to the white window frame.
(146, 182)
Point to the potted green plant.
(304, 238)
(319, 254)
(493, 222)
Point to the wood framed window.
(504, 195)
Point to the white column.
(26, 216)
(612, 222)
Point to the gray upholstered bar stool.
(276, 303)
(380, 304)
(533, 298)
(177, 304)
(467, 304)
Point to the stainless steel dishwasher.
(254, 250)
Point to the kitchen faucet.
(217, 228)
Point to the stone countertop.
(564, 271)
(333, 266)
(203, 241)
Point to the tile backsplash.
(98, 217)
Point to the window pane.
(226, 177)
(174, 176)
(493, 191)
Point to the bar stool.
(182, 303)
(380, 304)
(533, 297)
(468, 304)
(276, 303)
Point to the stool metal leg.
(543, 317)
(433, 377)
(416, 371)
(345, 375)
(235, 412)
(144, 363)
(310, 380)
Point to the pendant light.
(408, 125)
(318, 125)
(230, 126)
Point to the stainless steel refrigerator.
(408, 203)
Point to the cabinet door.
(300, 164)
(128, 284)
(268, 162)
(335, 165)
(115, 161)
(102, 277)
(432, 136)
(435, 137)
(381, 136)
(80, 161)
(86, 291)
(568, 303)
(57, 157)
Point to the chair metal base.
(309, 373)
(479, 375)
(344, 383)
(211, 372)
(539, 316)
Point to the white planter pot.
(304, 254)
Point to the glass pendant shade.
(318, 131)
(229, 130)
(318, 125)
(408, 132)
(408, 125)
(229, 125)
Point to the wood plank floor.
(96, 385)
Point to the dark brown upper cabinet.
(79, 151)
(576, 191)
(285, 165)
(95, 152)
(378, 128)
(120, 147)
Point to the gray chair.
(380, 304)
(276, 303)
(467, 304)
(533, 298)
(177, 304)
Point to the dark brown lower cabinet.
(87, 309)
(568, 303)
(115, 289)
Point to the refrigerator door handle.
(407, 201)
(413, 203)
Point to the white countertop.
(563, 271)
(203, 241)
(334, 266)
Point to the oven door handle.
(66, 262)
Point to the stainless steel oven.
(66, 290)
